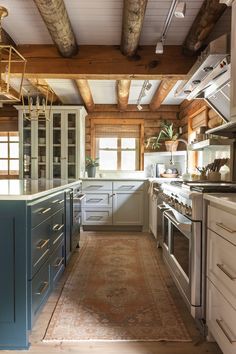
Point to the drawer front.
(98, 200)
(40, 289)
(128, 186)
(96, 217)
(57, 264)
(221, 320)
(221, 265)
(57, 229)
(223, 223)
(40, 245)
(90, 186)
(46, 207)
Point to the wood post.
(203, 24)
(57, 21)
(161, 93)
(86, 94)
(133, 16)
(123, 87)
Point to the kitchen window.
(9, 154)
(118, 146)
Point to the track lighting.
(146, 87)
(180, 9)
(159, 48)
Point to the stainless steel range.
(183, 238)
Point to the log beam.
(203, 24)
(55, 16)
(123, 87)
(86, 94)
(42, 85)
(105, 62)
(133, 16)
(161, 93)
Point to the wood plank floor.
(197, 346)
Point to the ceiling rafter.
(123, 88)
(132, 22)
(161, 93)
(56, 18)
(86, 94)
(42, 86)
(208, 15)
(6, 38)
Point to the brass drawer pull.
(97, 218)
(227, 335)
(58, 263)
(61, 201)
(42, 244)
(58, 238)
(43, 288)
(44, 211)
(222, 268)
(57, 227)
(55, 201)
(224, 227)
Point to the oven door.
(183, 256)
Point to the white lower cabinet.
(221, 277)
(153, 215)
(128, 208)
(112, 203)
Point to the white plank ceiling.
(99, 22)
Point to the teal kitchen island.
(32, 252)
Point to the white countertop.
(157, 179)
(16, 189)
(224, 199)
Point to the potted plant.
(90, 165)
(168, 134)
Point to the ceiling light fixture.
(178, 9)
(145, 87)
(39, 107)
(9, 58)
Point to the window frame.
(130, 121)
(8, 159)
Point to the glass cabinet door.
(56, 144)
(71, 145)
(42, 148)
(27, 148)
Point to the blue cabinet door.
(13, 275)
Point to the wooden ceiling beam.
(123, 87)
(86, 94)
(6, 39)
(161, 93)
(132, 23)
(203, 24)
(104, 62)
(55, 16)
(42, 85)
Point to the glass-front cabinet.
(53, 149)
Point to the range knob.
(188, 210)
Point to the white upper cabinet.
(55, 148)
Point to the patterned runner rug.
(116, 291)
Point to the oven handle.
(162, 207)
(179, 225)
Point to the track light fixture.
(146, 87)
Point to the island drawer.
(223, 223)
(127, 186)
(90, 186)
(99, 199)
(57, 229)
(39, 290)
(57, 264)
(40, 245)
(45, 207)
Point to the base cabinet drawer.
(127, 186)
(39, 288)
(57, 264)
(221, 265)
(102, 200)
(223, 223)
(98, 185)
(97, 217)
(221, 319)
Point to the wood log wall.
(8, 119)
(152, 120)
